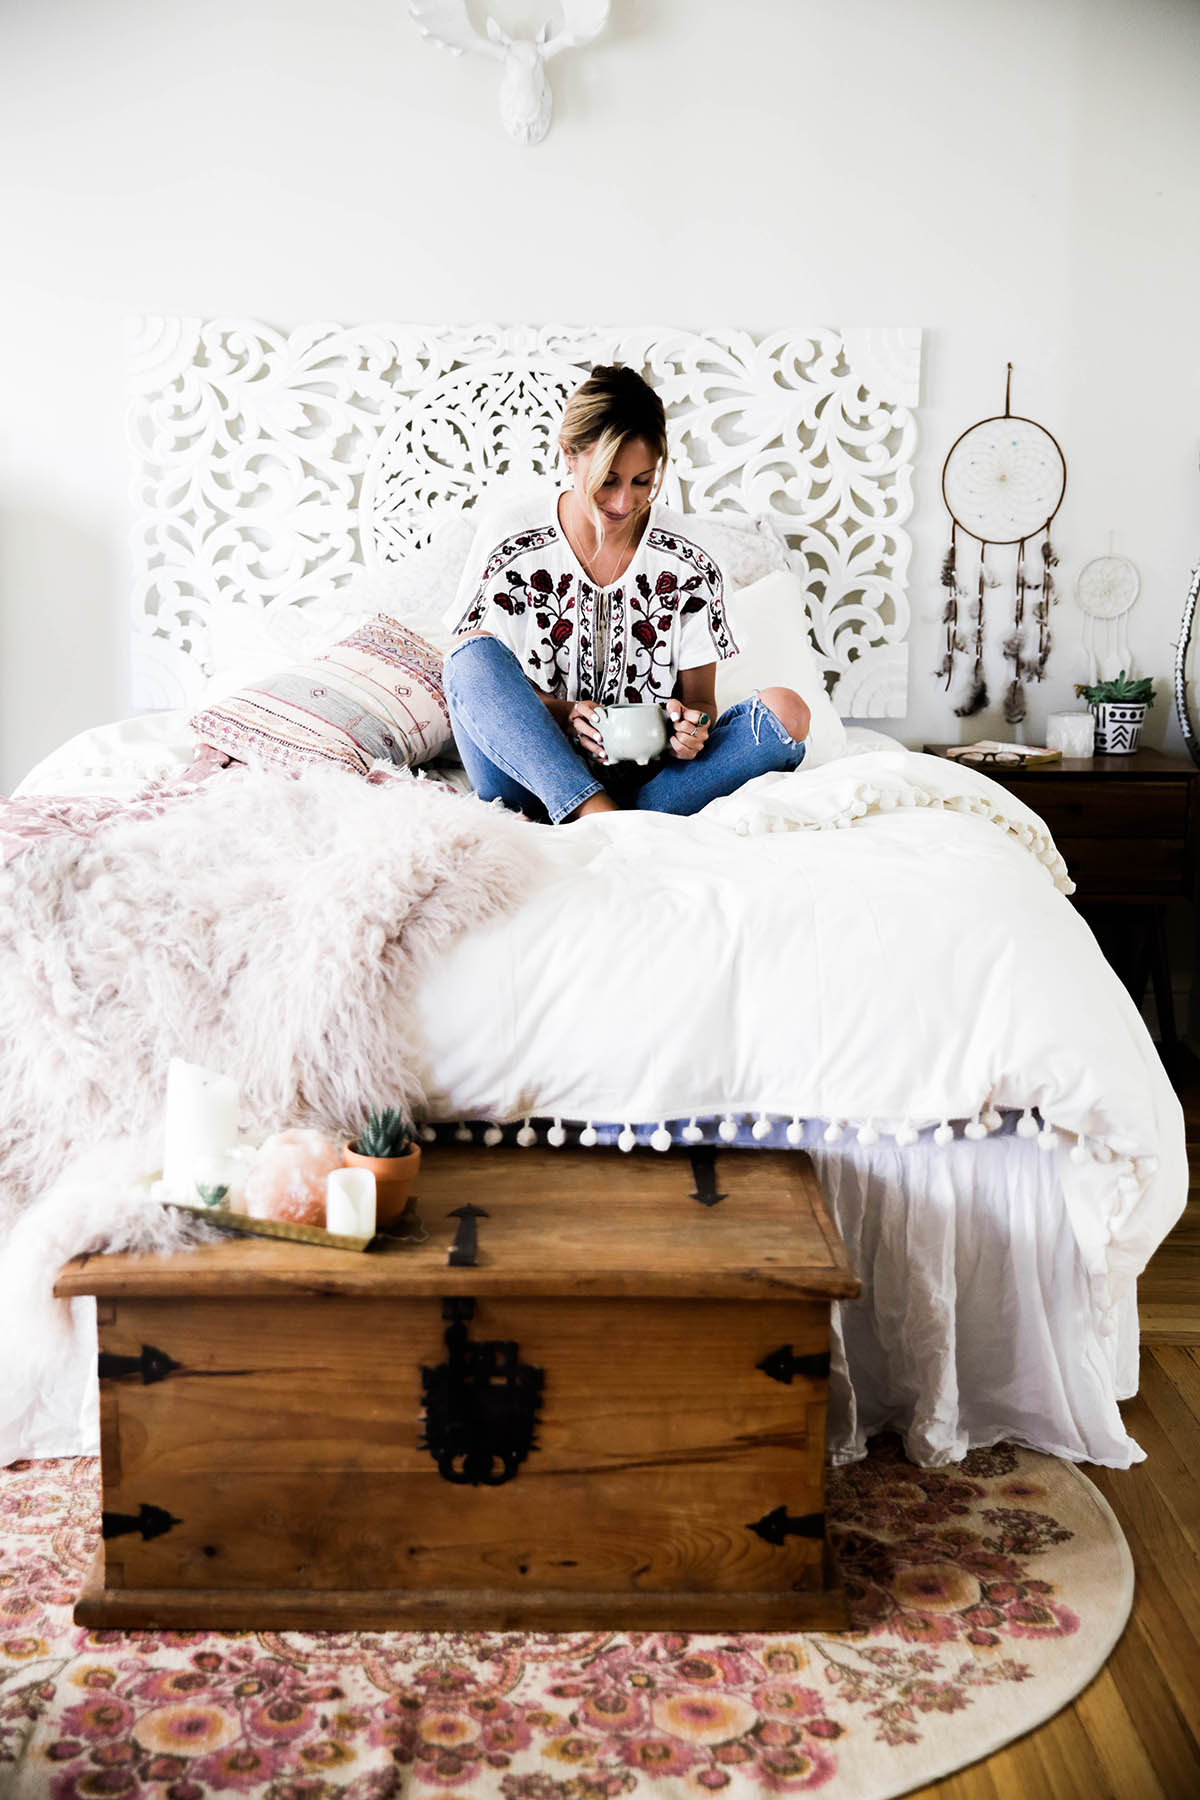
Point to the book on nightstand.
(1007, 756)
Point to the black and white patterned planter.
(1118, 726)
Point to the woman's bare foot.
(595, 803)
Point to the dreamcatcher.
(1105, 590)
(1002, 482)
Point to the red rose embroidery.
(540, 579)
(643, 631)
(666, 583)
(560, 632)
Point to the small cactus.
(385, 1134)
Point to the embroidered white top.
(576, 641)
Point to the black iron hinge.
(704, 1174)
(775, 1527)
(152, 1365)
(783, 1363)
(151, 1521)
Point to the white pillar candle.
(200, 1121)
(350, 1202)
(1071, 732)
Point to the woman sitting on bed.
(599, 594)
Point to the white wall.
(1020, 177)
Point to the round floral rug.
(984, 1598)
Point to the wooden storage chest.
(614, 1417)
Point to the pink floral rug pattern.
(984, 1597)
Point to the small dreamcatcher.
(1002, 482)
(1105, 590)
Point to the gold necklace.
(588, 563)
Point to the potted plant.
(385, 1146)
(1120, 707)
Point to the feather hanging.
(976, 700)
(1014, 703)
(977, 694)
(1041, 612)
(950, 613)
(1014, 646)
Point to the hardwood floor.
(1134, 1733)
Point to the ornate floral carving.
(272, 467)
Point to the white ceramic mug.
(632, 733)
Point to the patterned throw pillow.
(375, 696)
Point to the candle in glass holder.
(1071, 732)
(221, 1180)
(200, 1121)
(350, 1202)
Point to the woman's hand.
(583, 730)
(691, 730)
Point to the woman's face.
(626, 490)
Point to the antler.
(448, 23)
(582, 21)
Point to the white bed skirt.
(977, 1321)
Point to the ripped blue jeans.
(514, 751)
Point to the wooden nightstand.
(1127, 827)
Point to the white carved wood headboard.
(272, 466)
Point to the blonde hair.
(613, 407)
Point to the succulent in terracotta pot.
(385, 1145)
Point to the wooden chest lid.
(553, 1223)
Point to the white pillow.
(422, 586)
(771, 625)
(120, 759)
(245, 645)
(747, 545)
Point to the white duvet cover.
(883, 945)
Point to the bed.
(873, 959)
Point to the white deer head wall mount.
(525, 101)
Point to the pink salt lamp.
(287, 1178)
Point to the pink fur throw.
(268, 927)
